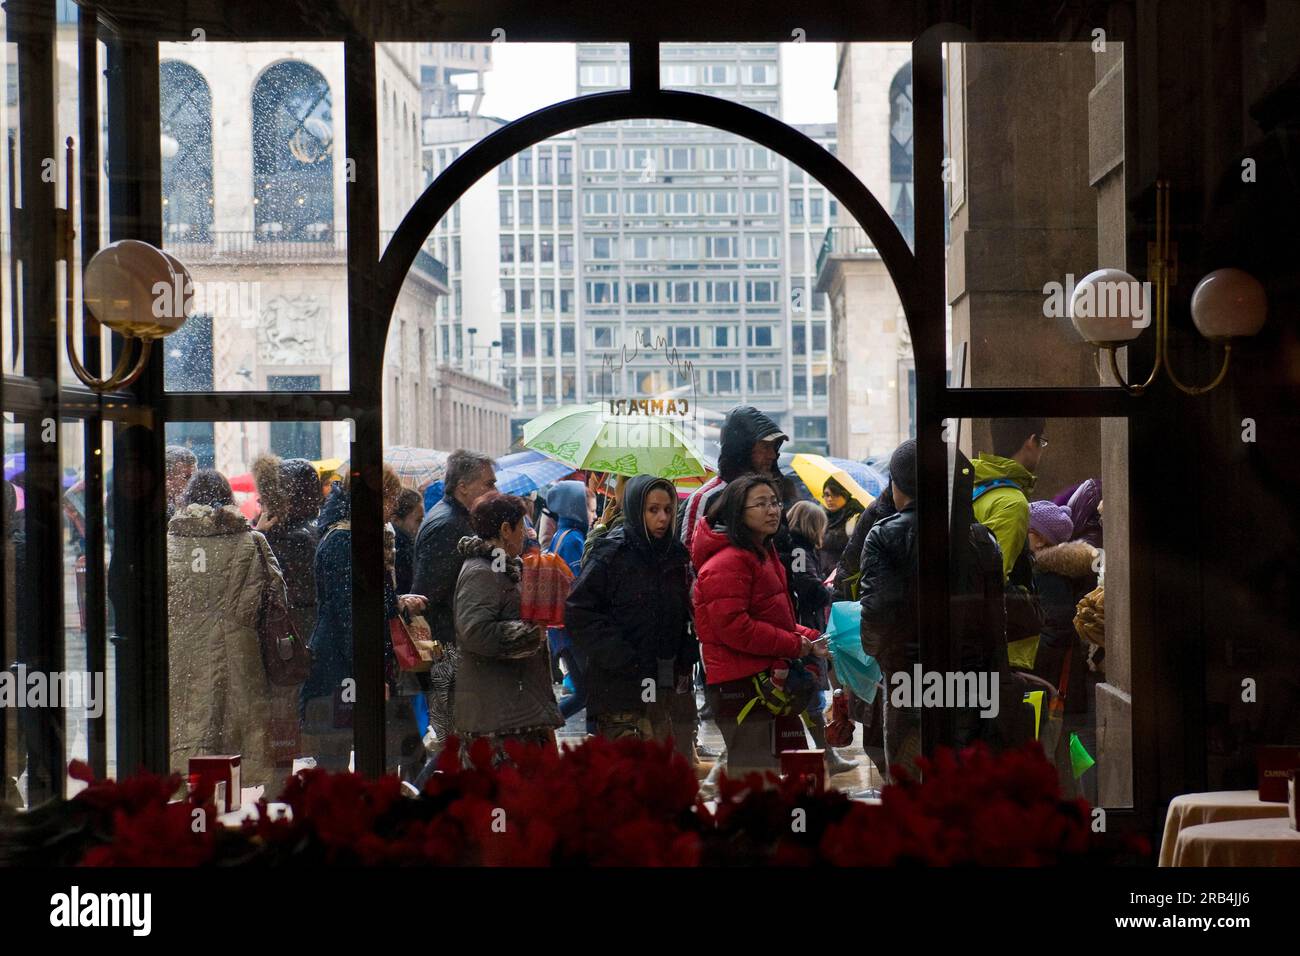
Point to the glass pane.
(219, 582)
(1063, 638)
(1036, 201)
(16, 638)
(12, 361)
(265, 240)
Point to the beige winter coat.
(218, 570)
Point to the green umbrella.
(589, 438)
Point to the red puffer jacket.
(743, 613)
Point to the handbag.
(544, 587)
(413, 643)
(285, 656)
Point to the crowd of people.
(728, 593)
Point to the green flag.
(1080, 759)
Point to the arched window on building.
(186, 114)
(293, 157)
(901, 198)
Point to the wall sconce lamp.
(134, 288)
(1109, 308)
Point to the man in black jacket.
(888, 592)
(470, 475)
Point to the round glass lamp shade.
(137, 290)
(1229, 303)
(1110, 307)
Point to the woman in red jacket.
(743, 614)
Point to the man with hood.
(1003, 481)
(751, 442)
(628, 615)
(567, 500)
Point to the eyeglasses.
(1042, 442)
(771, 504)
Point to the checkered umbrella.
(417, 467)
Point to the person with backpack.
(628, 615)
(1003, 482)
(567, 500)
(756, 655)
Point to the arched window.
(293, 158)
(186, 113)
(901, 198)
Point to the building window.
(602, 337)
(547, 297)
(720, 157)
(525, 248)
(723, 337)
(815, 209)
(507, 209)
(508, 248)
(544, 167)
(525, 210)
(507, 340)
(760, 290)
(566, 340)
(599, 203)
(682, 292)
(798, 339)
(548, 342)
(545, 210)
(901, 199)
(686, 336)
(640, 247)
(566, 208)
(720, 203)
(724, 292)
(566, 250)
(525, 162)
(760, 336)
(679, 203)
(529, 341)
(641, 203)
(819, 337)
(599, 158)
(720, 247)
(642, 293)
(547, 250)
(504, 172)
(759, 157)
(763, 246)
(602, 247)
(796, 209)
(293, 156)
(679, 158)
(760, 203)
(566, 300)
(602, 293)
(507, 299)
(564, 166)
(759, 74)
(526, 299)
(186, 113)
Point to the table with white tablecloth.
(1217, 806)
(1271, 841)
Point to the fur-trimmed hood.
(1070, 559)
(204, 521)
(472, 546)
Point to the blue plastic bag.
(855, 668)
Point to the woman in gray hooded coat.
(503, 684)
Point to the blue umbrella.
(528, 477)
(432, 495)
(519, 458)
(871, 480)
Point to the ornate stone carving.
(292, 331)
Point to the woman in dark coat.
(628, 615)
(290, 493)
(331, 641)
(842, 512)
(503, 680)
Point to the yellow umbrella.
(814, 471)
(327, 466)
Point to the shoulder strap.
(990, 484)
(558, 540)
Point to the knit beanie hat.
(1052, 521)
(902, 467)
